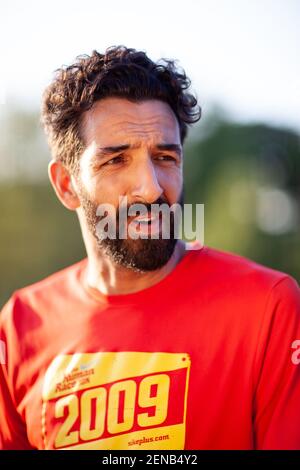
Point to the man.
(144, 344)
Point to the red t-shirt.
(205, 359)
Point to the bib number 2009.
(103, 410)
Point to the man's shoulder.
(234, 268)
(50, 287)
(240, 286)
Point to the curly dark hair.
(120, 72)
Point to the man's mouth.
(147, 224)
(145, 220)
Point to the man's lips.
(147, 223)
(145, 219)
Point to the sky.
(242, 55)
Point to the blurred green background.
(247, 175)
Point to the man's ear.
(61, 181)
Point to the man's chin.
(140, 255)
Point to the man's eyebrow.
(119, 148)
(171, 147)
(112, 149)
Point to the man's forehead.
(116, 118)
(115, 106)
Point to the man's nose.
(146, 187)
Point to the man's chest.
(142, 378)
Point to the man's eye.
(115, 160)
(167, 158)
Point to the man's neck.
(108, 278)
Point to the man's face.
(133, 150)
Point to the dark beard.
(139, 255)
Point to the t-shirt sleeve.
(13, 435)
(277, 395)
